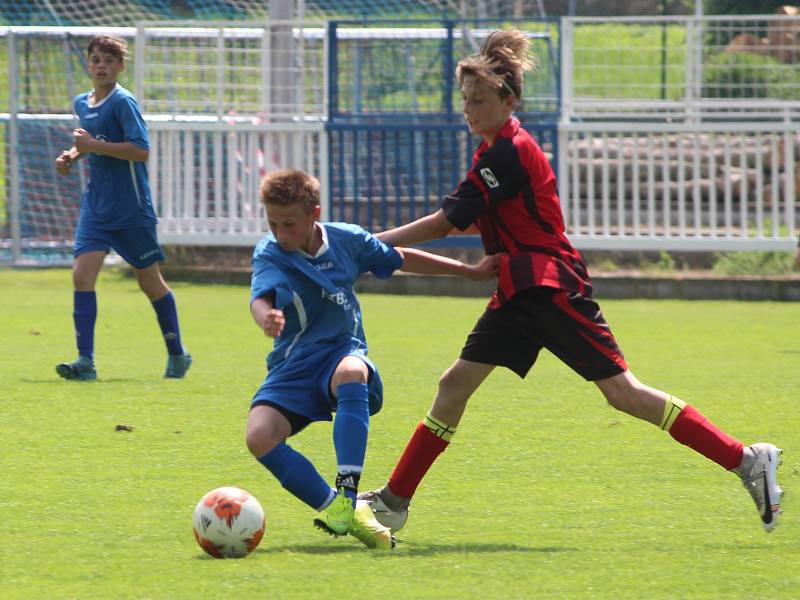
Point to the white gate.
(205, 177)
(724, 186)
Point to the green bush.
(754, 263)
(741, 7)
(741, 75)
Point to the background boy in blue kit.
(116, 209)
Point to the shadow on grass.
(416, 549)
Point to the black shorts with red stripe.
(568, 324)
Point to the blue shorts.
(137, 246)
(307, 392)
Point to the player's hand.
(63, 163)
(273, 322)
(487, 268)
(83, 140)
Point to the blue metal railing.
(397, 144)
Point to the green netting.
(120, 13)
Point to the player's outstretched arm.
(84, 142)
(269, 319)
(431, 227)
(425, 263)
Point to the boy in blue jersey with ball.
(116, 211)
(302, 295)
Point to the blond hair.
(290, 186)
(501, 62)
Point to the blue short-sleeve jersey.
(118, 193)
(320, 306)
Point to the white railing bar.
(636, 188)
(712, 169)
(759, 186)
(715, 127)
(774, 181)
(666, 195)
(726, 174)
(789, 171)
(606, 206)
(743, 167)
(696, 175)
(651, 180)
(621, 183)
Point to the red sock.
(692, 429)
(421, 451)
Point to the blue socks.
(297, 475)
(167, 313)
(84, 315)
(350, 429)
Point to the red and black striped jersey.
(510, 194)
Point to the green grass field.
(546, 492)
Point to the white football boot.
(761, 481)
(393, 519)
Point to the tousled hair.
(501, 62)
(290, 186)
(110, 45)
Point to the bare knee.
(151, 282)
(618, 398)
(261, 439)
(620, 391)
(350, 369)
(627, 394)
(84, 277)
(266, 428)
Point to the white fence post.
(13, 150)
(789, 172)
(567, 68)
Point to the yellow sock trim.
(440, 429)
(672, 408)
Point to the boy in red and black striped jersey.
(543, 297)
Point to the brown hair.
(110, 45)
(290, 186)
(503, 58)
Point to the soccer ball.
(228, 523)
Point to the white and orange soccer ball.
(228, 522)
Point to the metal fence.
(383, 175)
(386, 69)
(205, 176)
(682, 134)
(681, 67)
(723, 186)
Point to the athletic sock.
(298, 476)
(167, 314)
(689, 427)
(84, 315)
(350, 431)
(430, 439)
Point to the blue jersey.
(118, 193)
(316, 293)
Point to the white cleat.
(393, 519)
(761, 481)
